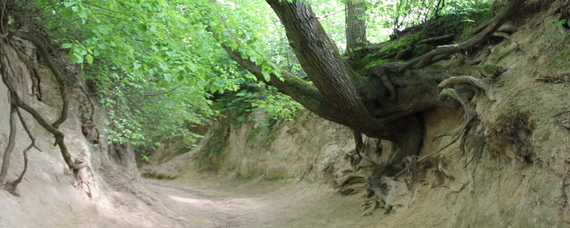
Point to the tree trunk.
(385, 108)
(355, 25)
(322, 62)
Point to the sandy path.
(215, 208)
(260, 203)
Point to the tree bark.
(355, 25)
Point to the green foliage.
(262, 131)
(277, 105)
(238, 105)
(467, 8)
(154, 63)
(402, 14)
(142, 113)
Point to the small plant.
(144, 158)
(558, 22)
(562, 22)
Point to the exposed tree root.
(464, 124)
(466, 80)
(12, 186)
(32, 66)
(434, 39)
(477, 154)
(370, 205)
(352, 184)
(11, 143)
(446, 50)
(59, 136)
(459, 133)
(470, 114)
(386, 81)
(490, 71)
(359, 144)
(87, 123)
(54, 69)
(78, 174)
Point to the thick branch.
(301, 91)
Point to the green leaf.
(76, 58)
(69, 3)
(168, 77)
(89, 58)
(180, 77)
(142, 27)
(182, 19)
(162, 2)
(67, 13)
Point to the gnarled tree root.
(54, 69)
(352, 184)
(466, 80)
(470, 115)
(386, 81)
(59, 136)
(12, 186)
(11, 143)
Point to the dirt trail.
(260, 203)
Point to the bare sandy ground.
(221, 202)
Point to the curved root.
(467, 80)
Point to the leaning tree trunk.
(322, 62)
(361, 103)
